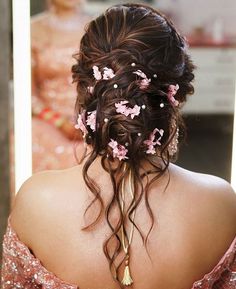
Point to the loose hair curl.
(127, 34)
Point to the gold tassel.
(127, 280)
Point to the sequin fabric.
(54, 89)
(223, 276)
(21, 269)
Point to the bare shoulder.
(205, 206)
(208, 204)
(210, 194)
(42, 198)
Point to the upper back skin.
(194, 226)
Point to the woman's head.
(133, 74)
(126, 39)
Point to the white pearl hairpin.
(143, 106)
(133, 64)
(105, 119)
(162, 105)
(115, 85)
(126, 144)
(155, 75)
(139, 134)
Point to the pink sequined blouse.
(21, 269)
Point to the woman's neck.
(65, 19)
(65, 14)
(66, 11)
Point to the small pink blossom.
(144, 83)
(122, 108)
(108, 73)
(119, 151)
(140, 73)
(135, 111)
(80, 125)
(172, 90)
(151, 143)
(97, 73)
(91, 120)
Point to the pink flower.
(113, 144)
(119, 151)
(97, 73)
(140, 73)
(122, 108)
(80, 125)
(151, 143)
(172, 90)
(144, 83)
(91, 120)
(135, 111)
(108, 73)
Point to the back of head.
(133, 74)
(124, 36)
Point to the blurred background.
(209, 29)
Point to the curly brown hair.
(123, 35)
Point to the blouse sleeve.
(223, 276)
(17, 270)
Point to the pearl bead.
(143, 106)
(139, 134)
(115, 85)
(105, 119)
(155, 75)
(133, 64)
(162, 105)
(126, 144)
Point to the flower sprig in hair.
(172, 90)
(151, 142)
(97, 73)
(119, 151)
(144, 83)
(80, 124)
(122, 108)
(91, 120)
(108, 73)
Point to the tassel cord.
(127, 280)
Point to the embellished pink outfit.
(53, 43)
(53, 89)
(21, 269)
